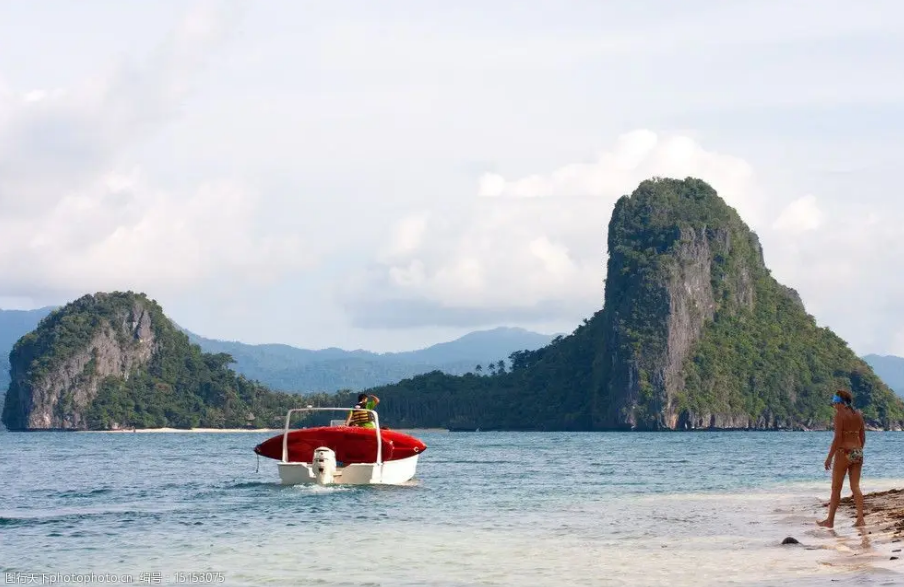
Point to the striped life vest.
(361, 417)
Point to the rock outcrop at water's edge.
(676, 260)
(683, 301)
(699, 335)
(58, 399)
(114, 360)
(55, 395)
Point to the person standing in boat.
(358, 417)
(847, 451)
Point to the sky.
(391, 175)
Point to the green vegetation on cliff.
(135, 370)
(187, 389)
(682, 258)
(775, 362)
(694, 333)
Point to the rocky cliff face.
(666, 279)
(56, 395)
(114, 360)
(697, 334)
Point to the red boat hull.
(351, 444)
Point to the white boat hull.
(394, 472)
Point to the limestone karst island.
(694, 333)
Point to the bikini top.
(855, 430)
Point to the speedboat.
(342, 455)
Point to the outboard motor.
(324, 465)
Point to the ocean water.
(485, 509)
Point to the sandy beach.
(883, 512)
(872, 554)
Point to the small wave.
(83, 494)
(125, 515)
(321, 489)
(186, 485)
(478, 462)
(249, 485)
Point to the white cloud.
(636, 156)
(54, 142)
(799, 216)
(119, 233)
(76, 216)
(491, 185)
(34, 95)
(536, 244)
(407, 236)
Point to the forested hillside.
(110, 361)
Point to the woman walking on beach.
(847, 450)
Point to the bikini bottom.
(854, 455)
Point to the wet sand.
(873, 554)
(882, 510)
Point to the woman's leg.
(839, 468)
(854, 479)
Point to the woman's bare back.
(852, 429)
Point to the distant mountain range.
(890, 369)
(288, 368)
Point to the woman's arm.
(862, 432)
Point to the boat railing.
(285, 443)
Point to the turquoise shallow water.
(484, 509)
